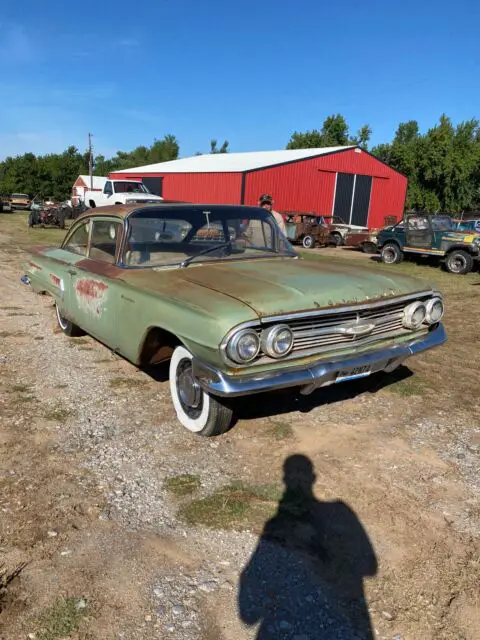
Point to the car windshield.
(443, 223)
(170, 236)
(19, 195)
(130, 187)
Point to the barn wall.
(309, 185)
(208, 188)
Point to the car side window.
(105, 237)
(108, 189)
(78, 241)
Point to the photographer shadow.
(305, 578)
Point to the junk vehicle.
(421, 234)
(234, 314)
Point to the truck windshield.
(130, 187)
(169, 236)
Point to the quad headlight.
(243, 346)
(277, 341)
(418, 313)
(434, 310)
(414, 315)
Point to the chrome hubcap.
(189, 391)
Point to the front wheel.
(197, 410)
(308, 242)
(459, 262)
(369, 247)
(336, 239)
(391, 253)
(66, 326)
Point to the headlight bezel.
(409, 312)
(429, 305)
(231, 347)
(267, 339)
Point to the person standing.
(266, 202)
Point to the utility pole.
(90, 160)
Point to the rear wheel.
(308, 242)
(336, 239)
(66, 326)
(197, 410)
(459, 262)
(391, 253)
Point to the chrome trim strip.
(359, 307)
(318, 374)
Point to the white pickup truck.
(120, 192)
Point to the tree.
(334, 133)
(215, 149)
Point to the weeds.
(128, 383)
(62, 619)
(281, 430)
(182, 485)
(236, 506)
(58, 414)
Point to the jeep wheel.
(197, 410)
(68, 328)
(459, 262)
(308, 242)
(391, 253)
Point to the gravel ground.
(410, 470)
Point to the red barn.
(344, 181)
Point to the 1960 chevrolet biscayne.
(219, 292)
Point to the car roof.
(125, 210)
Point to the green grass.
(23, 237)
(236, 506)
(412, 386)
(281, 430)
(62, 619)
(182, 485)
(128, 383)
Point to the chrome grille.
(329, 331)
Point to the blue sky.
(250, 72)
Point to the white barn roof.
(232, 162)
(98, 181)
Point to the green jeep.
(429, 235)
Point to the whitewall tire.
(196, 410)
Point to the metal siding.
(306, 185)
(309, 185)
(209, 188)
(294, 187)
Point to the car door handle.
(72, 272)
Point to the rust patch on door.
(91, 295)
(55, 279)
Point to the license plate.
(354, 373)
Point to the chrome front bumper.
(318, 374)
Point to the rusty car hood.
(277, 286)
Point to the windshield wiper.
(187, 261)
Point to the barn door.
(343, 196)
(361, 201)
(155, 185)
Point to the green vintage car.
(220, 293)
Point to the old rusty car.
(306, 229)
(235, 314)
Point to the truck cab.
(430, 235)
(120, 192)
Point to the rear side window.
(105, 237)
(78, 241)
